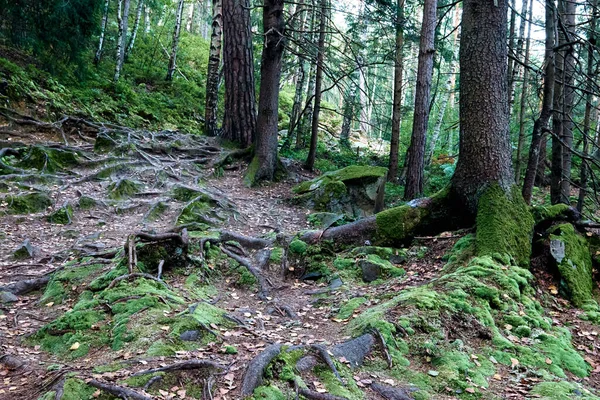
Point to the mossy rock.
(87, 203)
(26, 250)
(395, 256)
(572, 255)
(504, 225)
(62, 216)
(28, 203)
(355, 190)
(556, 212)
(123, 189)
(45, 159)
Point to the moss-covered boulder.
(62, 216)
(373, 267)
(24, 251)
(45, 159)
(356, 191)
(123, 189)
(87, 203)
(573, 259)
(28, 203)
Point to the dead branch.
(312, 395)
(184, 365)
(118, 391)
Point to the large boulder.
(356, 191)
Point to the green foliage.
(298, 247)
(348, 308)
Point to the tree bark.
(147, 21)
(523, 100)
(511, 47)
(518, 54)
(416, 152)
(312, 152)
(540, 125)
(98, 55)
(212, 76)
(300, 76)
(397, 101)
(349, 105)
(264, 165)
(239, 121)
(122, 19)
(485, 154)
(136, 25)
(190, 17)
(175, 43)
(306, 118)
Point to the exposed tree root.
(253, 376)
(184, 365)
(322, 352)
(262, 281)
(118, 391)
(312, 395)
(384, 347)
(26, 286)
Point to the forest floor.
(295, 312)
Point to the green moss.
(196, 211)
(276, 256)
(250, 175)
(504, 225)
(523, 331)
(269, 392)
(231, 350)
(387, 268)
(347, 309)
(186, 193)
(123, 189)
(86, 203)
(27, 203)
(76, 389)
(50, 160)
(575, 265)
(459, 370)
(156, 211)
(561, 391)
(351, 173)
(298, 247)
(62, 216)
(141, 380)
(549, 213)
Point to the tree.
(239, 121)
(264, 165)
(122, 18)
(134, 31)
(416, 152)
(175, 43)
(397, 102)
(541, 123)
(312, 151)
(212, 76)
(98, 55)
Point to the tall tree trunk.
(147, 21)
(485, 154)
(397, 101)
(511, 47)
(349, 105)
(122, 19)
(416, 151)
(190, 17)
(312, 152)
(212, 76)
(264, 165)
(306, 118)
(300, 76)
(449, 91)
(588, 105)
(538, 145)
(239, 121)
(175, 43)
(136, 25)
(523, 101)
(98, 55)
(518, 54)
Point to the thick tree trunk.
(523, 101)
(136, 25)
(485, 154)
(122, 19)
(175, 43)
(397, 101)
(212, 76)
(312, 152)
(264, 165)
(537, 137)
(98, 55)
(416, 152)
(239, 121)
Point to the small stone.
(336, 283)
(26, 250)
(189, 336)
(370, 270)
(433, 373)
(8, 297)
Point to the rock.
(356, 191)
(26, 250)
(190, 336)
(370, 271)
(355, 350)
(312, 276)
(336, 283)
(393, 393)
(395, 256)
(306, 363)
(7, 297)
(11, 362)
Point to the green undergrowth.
(136, 314)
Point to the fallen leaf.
(514, 362)
(548, 361)
(74, 346)
(470, 390)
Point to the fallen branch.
(184, 365)
(118, 391)
(312, 395)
